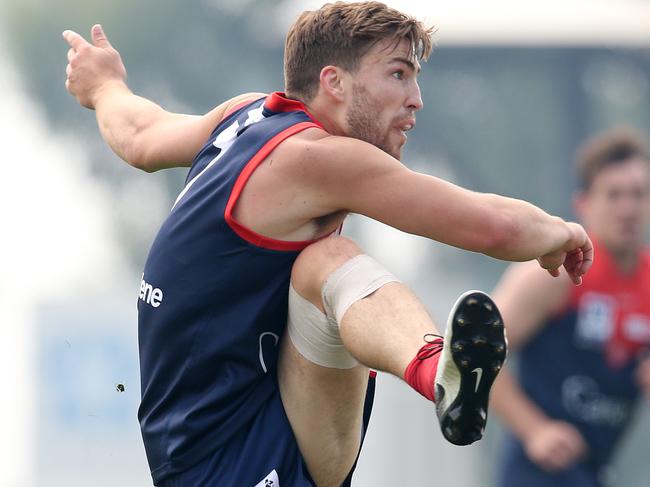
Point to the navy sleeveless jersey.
(580, 368)
(213, 297)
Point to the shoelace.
(436, 344)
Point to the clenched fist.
(91, 67)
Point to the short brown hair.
(340, 34)
(606, 149)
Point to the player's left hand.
(91, 67)
(576, 256)
(642, 375)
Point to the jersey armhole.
(246, 233)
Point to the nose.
(414, 101)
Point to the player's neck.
(625, 260)
(330, 116)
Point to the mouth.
(406, 126)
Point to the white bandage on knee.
(316, 335)
(357, 278)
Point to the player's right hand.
(555, 446)
(576, 255)
(91, 67)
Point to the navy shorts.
(265, 454)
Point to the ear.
(332, 82)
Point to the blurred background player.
(583, 351)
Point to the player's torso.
(213, 297)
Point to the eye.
(399, 74)
(613, 195)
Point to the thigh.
(325, 407)
(263, 454)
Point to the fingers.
(552, 262)
(99, 37)
(574, 444)
(587, 257)
(68, 68)
(557, 447)
(584, 248)
(573, 266)
(74, 40)
(554, 272)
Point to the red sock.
(420, 374)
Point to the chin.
(625, 245)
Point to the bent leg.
(381, 324)
(384, 330)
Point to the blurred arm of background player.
(138, 130)
(527, 298)
(643, 375)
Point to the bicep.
(360, 178)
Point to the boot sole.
(478, 348)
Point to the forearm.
(515, 409)
(501, 227)
(524, 231)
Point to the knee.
(318, 261)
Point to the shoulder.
(535, 288)
(315, 149)
(337, 169)
(529, 277)
(528, 297)
(215, 116)
(241, 100)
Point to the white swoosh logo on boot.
(479, 374)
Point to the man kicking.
(257, 324)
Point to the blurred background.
(510, 90)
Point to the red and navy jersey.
(580, 367)
(213, 297)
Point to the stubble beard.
(363, 121)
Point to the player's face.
(617, 206)
(385, 96)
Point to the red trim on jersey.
(627, 295)
(373, 374)
(278, 102)
(244, 232)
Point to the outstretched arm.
(138, 130)
(346, 174)
(527, 298)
